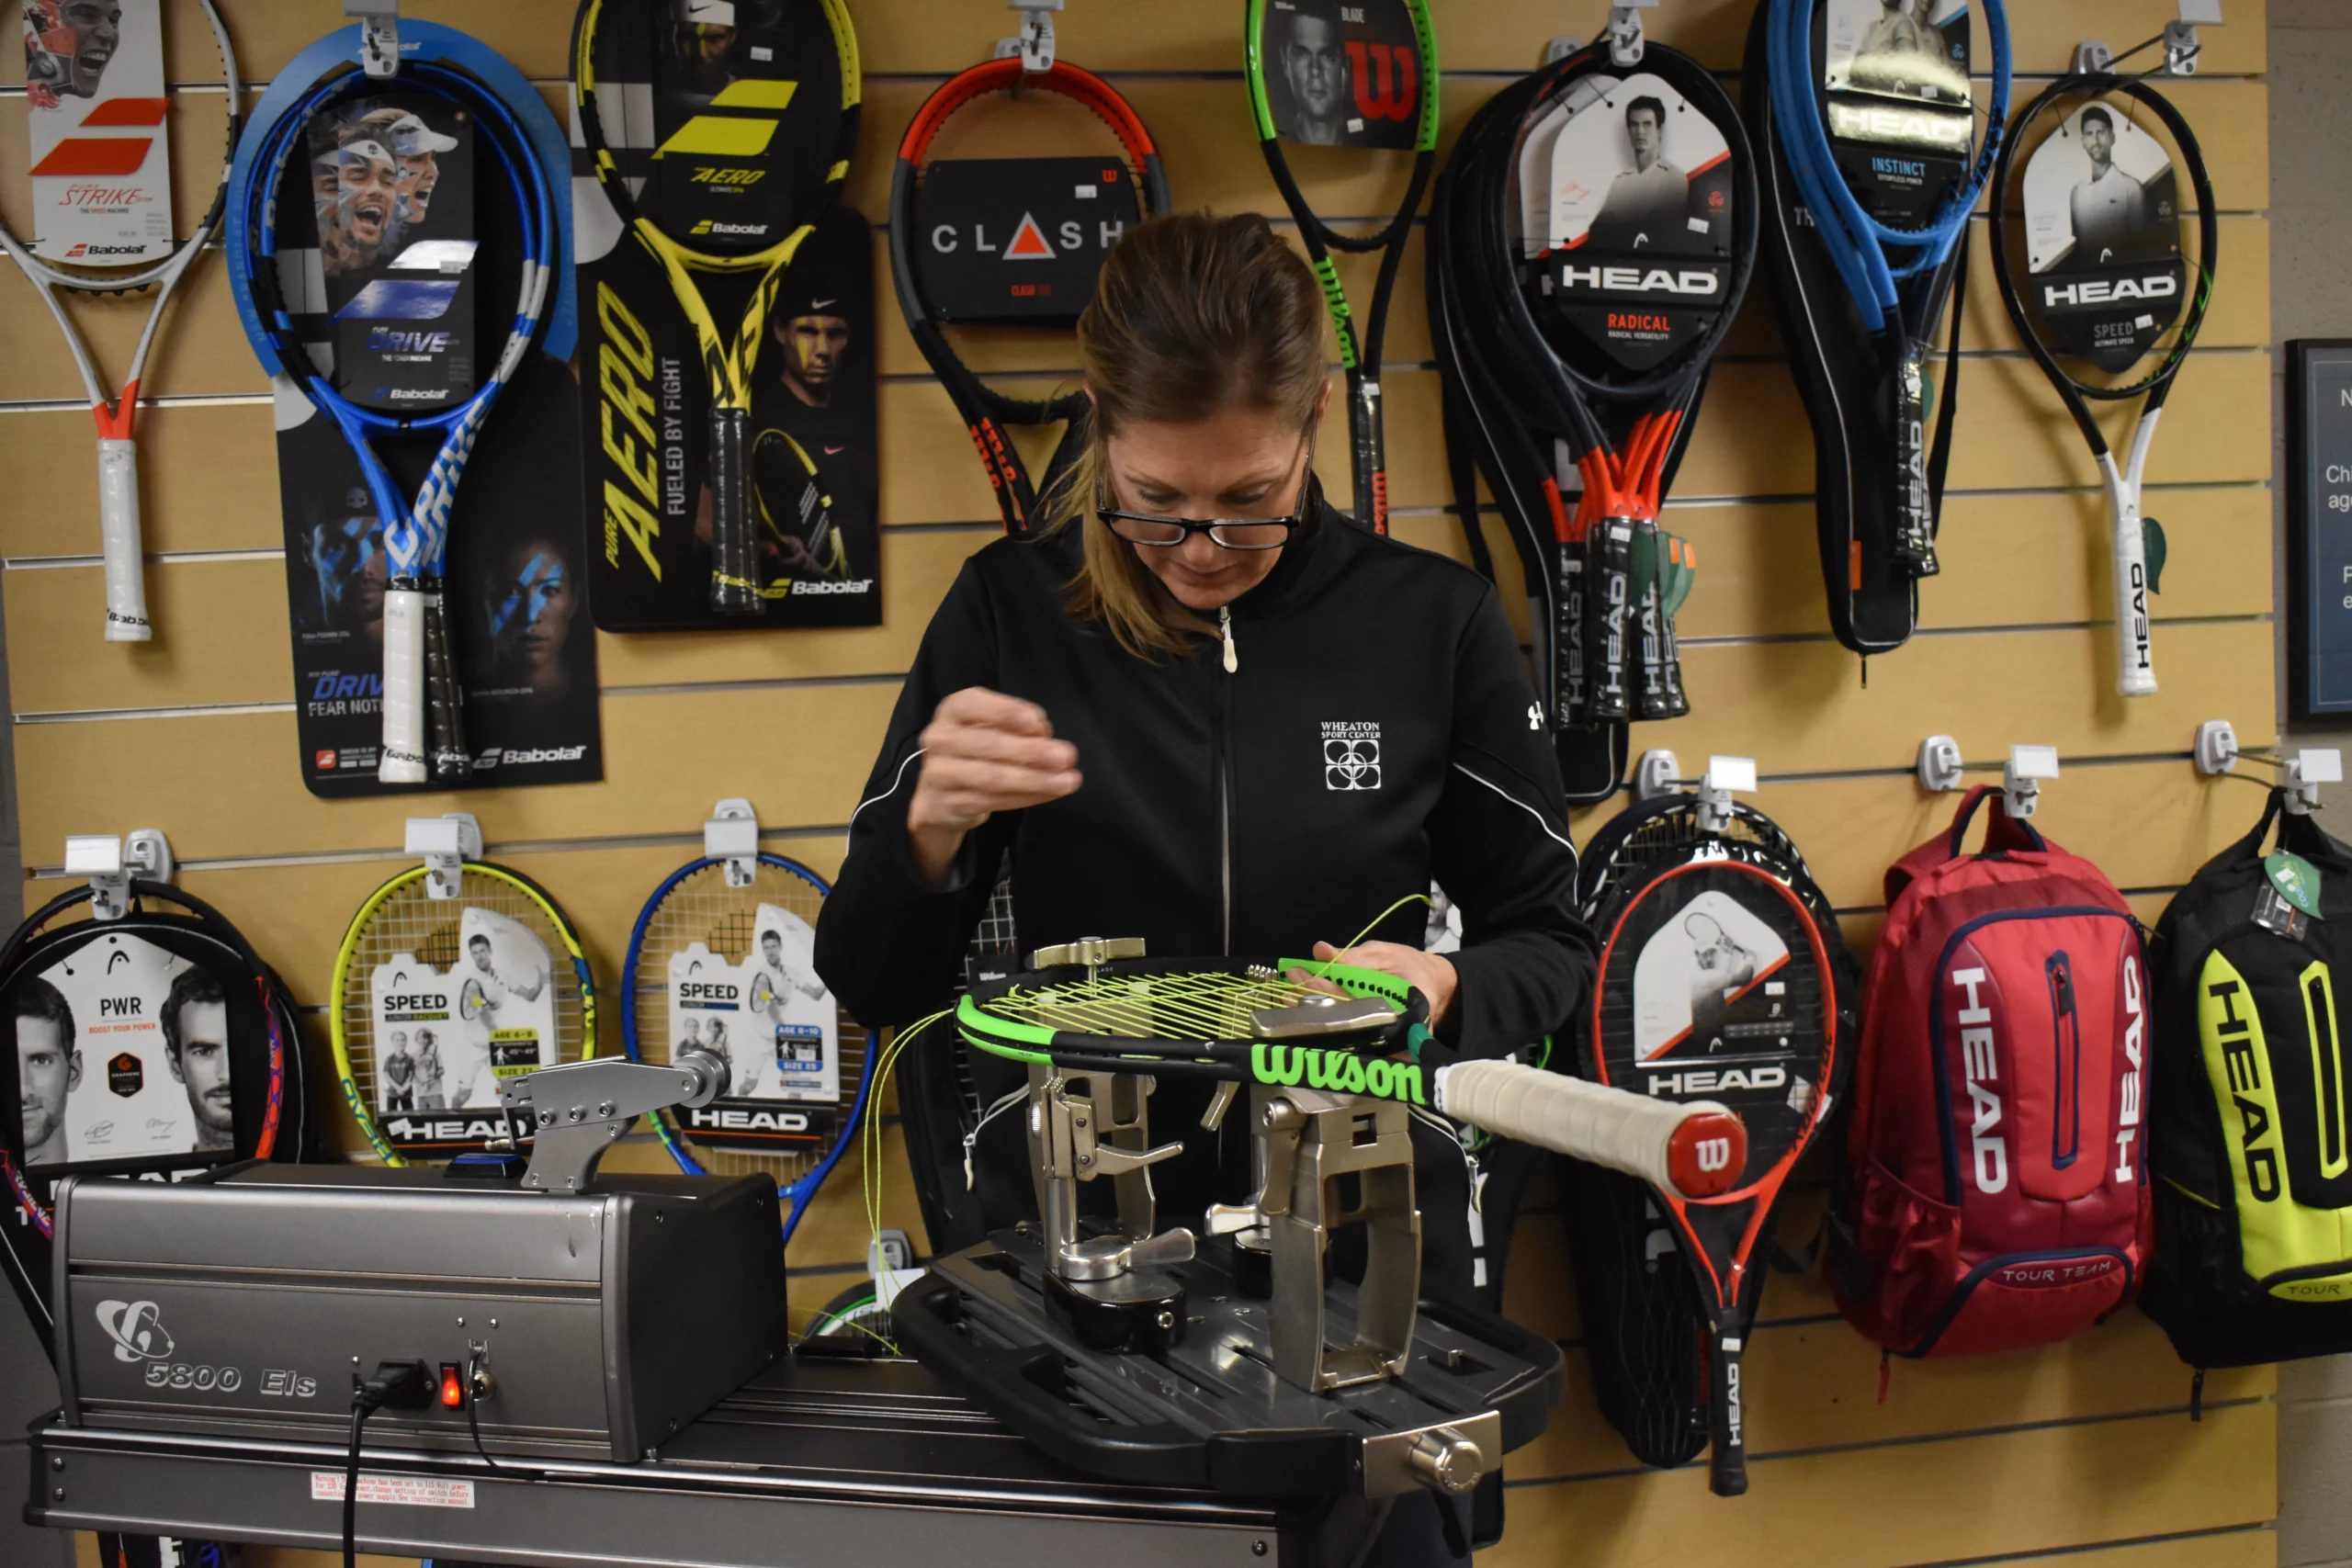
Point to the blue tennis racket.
(1900, 278)
(423, 734)
(728, 970)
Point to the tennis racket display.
(435, 1000)
(2093, 206)
(1837, 68)
(729, 193)
(424, 728)
(1261, 1023)
(928, 196)
(118, 453)
(1364, 78)
(1721, 974)
(1591, 241)
(728, 970)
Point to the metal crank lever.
(579, 1110)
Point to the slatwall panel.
(2082, 1452)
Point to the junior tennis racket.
(2098, 201)
(1269, 1023)
(1359, 77)
(423, 732)
(1899, 275)
(118, 453)
(775, 187)
(704, 954)
(421, 1077)
(991, 415)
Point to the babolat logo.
(546, 754)
(707, 991)
(707, 227)
(1341, 1072)
(2090, 291)
(411, 394)
(816, 585)
(403, 340)
(416, 1001)
(110, 251)
(1688, 283)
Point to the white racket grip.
(118, 533)
(2135, 670)
(1697, 1149)
(403, 759)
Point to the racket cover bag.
(1993, 1195)
(2248, 1144)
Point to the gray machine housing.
(250, 1302)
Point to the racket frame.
(986, 411)
(424, 728)
(123, 551)
(1360, 349)
(802, 1189)
(338, 1009)
(2123, 481)
(727, 364)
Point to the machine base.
(1208, 1411)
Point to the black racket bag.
(2250, 1139)
(1723, 976)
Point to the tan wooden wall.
(2021, 1457)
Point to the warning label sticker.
(412, 1491)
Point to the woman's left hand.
(1431, 974)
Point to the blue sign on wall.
(2318, 519)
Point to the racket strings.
(1172, 1007)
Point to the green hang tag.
(1645, 551)
(2152, 544)
(2295, 879)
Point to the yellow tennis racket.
(419, 1055)
(730, 191)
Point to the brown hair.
(1192, 313)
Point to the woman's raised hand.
(983, 752)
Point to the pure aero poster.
(122, 1053)
(767, 1016)
(444, 1038)
(96, 103)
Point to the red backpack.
(1993, 1195)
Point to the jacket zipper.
(1224, 772)
(2067, 1069)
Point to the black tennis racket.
(2105, 286)
(1361, 77)
(991, 415)
(731, 193)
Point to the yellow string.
(1407, 898)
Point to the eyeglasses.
(1226, 533)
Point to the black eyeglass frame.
(1290, 524)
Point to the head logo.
(138, 1332)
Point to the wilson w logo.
(1714, 1153)
(732, 135)
(1386, 80)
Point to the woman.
(1206, 710)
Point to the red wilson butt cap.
(1708, 1155)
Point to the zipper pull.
(1225, 624)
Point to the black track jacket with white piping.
(1365, 726)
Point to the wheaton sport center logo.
(137, 1330)
(1350, 755)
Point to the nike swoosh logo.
(830, 450)
(819, 304)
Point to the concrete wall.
(2311, 233)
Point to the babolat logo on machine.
(1019, 239)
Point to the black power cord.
(400, 1384)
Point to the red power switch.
(453, 1387)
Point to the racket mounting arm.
(1319, 1150)
(1034, 42)
(578, 1110)
(1082, 1126)
(380, 35)
(731, 837)
(445, 843)
(1626, 42)
(111, 862)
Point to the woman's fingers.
(992, 710)
(970, 788)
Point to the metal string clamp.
(2301, 773)
(111, 862)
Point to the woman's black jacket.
(1377, 733)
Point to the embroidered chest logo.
(1350, 755)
